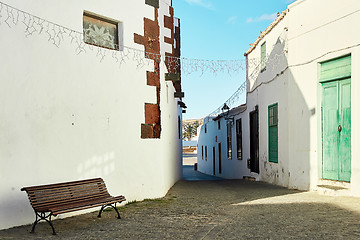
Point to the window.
(273, 133)
(179, 127)
(205, 153)
(202, 152)
(100, 31)
(239, 139)
(219, 125)
(229, 148)
(205, 128)
(263, 56)
(219, 158)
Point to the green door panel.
(330, 134)
(336, 128)
(345, 133)
(335, 69)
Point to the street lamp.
(225, 111)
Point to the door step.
(336, 188)
(333, 188)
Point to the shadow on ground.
(189, 174)
(226, 209)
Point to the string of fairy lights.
(57, 35)
(270, 61)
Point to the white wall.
(311, 38)
(324, 36)
(312, 31)
(66, 116)
(205, 165)
(231, 168)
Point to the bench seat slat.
(41, 204)
(85, 204)
(67, 189)
(57, 185)
(77, 192)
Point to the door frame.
(337, 83)
(321, 80)
(254, 139)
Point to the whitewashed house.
(303, 75)
(77, 106)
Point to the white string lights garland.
(270, 61)
(58, 34)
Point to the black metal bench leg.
(34, 224)
(109, 205)
(101, 210)
(51, 225)
(42, 216)
(116, 211)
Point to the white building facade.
(80, 106)
(302, 80)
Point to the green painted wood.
(335, 69)
(336, 115)
(330, 133)
(263, 56)
(345, 134)
(273, 132)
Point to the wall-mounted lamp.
(182, 104)
(225, 110)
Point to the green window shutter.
(335, 69)
(273, 132)
(263, 56)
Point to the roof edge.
(267, 30)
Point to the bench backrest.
(44, 196)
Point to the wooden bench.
(53, 199)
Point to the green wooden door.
(345, 133)
(336, 128)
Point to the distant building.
(77, 106)
(191, 145)
(296, 128)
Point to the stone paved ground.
(230, 209)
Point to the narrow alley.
(218, 209)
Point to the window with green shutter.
(273, 132)
(263, 56)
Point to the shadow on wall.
(293, 167)
(299, 117)
(101, 165)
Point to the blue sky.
(219, 30)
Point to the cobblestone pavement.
(228, 209)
